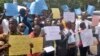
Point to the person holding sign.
(97, 33)
(72, 49)
(88, 25)
(45, 42)
(83, 50)
(35, 33)
(67, 42)
(3, 45)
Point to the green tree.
(2, 5)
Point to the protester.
(47, 43)
(23, 18)
(88, 24)
(34, 34)
(97, 34)
(61, 44)
(13, 26)
(23, 29)
(4, 22)
(3, 45)
(32, 22)
(83, 50)
(72, 49)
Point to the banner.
(11, 9)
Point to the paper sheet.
(52, 33)
(69, 16)
(87, 37)
(49, 49)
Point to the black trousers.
(98, 49)
(83, 50)
(72, 51)
(48, 54)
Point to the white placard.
(49, 49)
(69, 16)
(87, 37)
(52, 33)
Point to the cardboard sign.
(95, 20)
(37, 44)
(19, 45)
(56, 13)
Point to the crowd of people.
(33, 25)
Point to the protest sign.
(95, 20)
(78, 11)
(65, 8)
(87, 37)
(90, 9)
(19, 45)
(11, 9)
(56, 13)
(38, 6)
(37, 44)
(69, 16)
(52, 33)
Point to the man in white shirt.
(97, 32)
(5, 25)
(87, 23)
